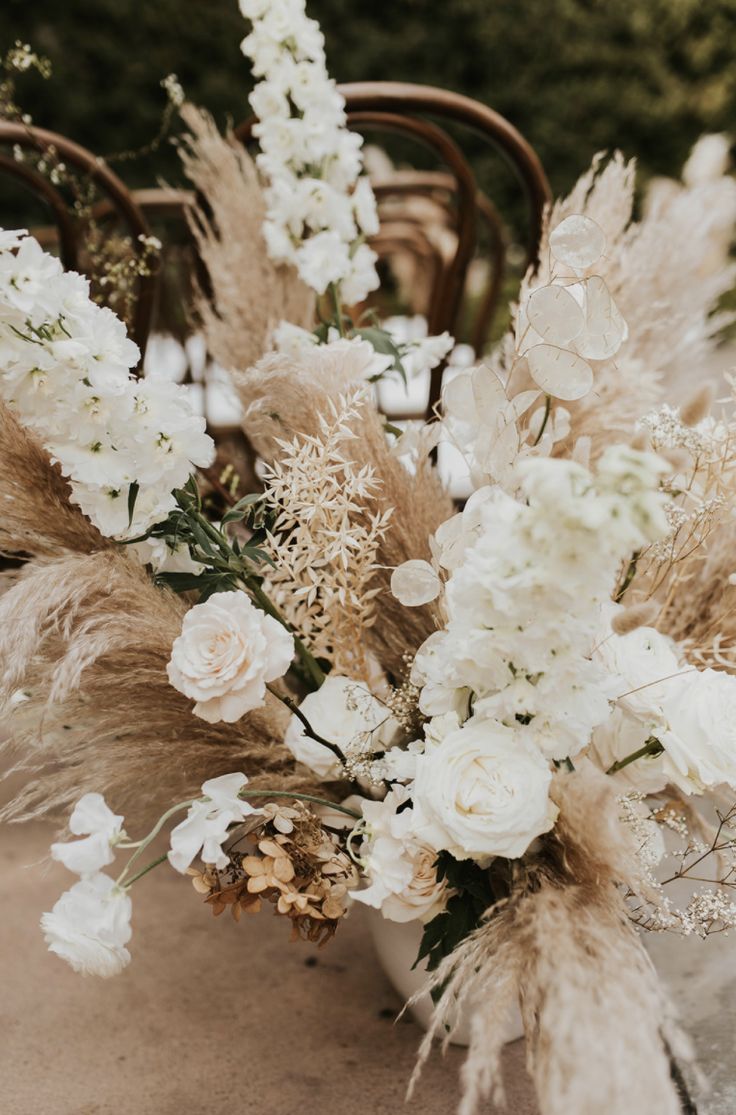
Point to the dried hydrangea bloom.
(290, 860)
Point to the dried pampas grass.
(249, 294)
(87, 703)
(37, 517)
(283, 402)
(599, 1028)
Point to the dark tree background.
(575, 76)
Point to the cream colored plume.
(599, 1028)
(249, 295)
(283, 402)
(36, 515)
(86, 701)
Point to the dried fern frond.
(87, 703)
(249, 295)
(36, 515)
(597, 1022)
(325, 539)
(285, 403)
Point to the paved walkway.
(210, 1016)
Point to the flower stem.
(151, 836)
(651, 747)
(144, 870)
(334, 291)
(300, 797)
(628, 577)
(308, 661)
(545, 419)
(294, 707)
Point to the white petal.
(605, 329)
(457, 398)
(560, 373)
(555, 315)
(415, 583)
(577, 242)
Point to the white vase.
(397, 945)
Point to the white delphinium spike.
(124, 444)
(319, 208)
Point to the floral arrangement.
(496, 721)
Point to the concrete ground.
(210, 1016)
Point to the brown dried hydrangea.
(293, 862)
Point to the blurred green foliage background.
(575, 76)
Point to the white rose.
(645, 661)
(484, 791)
(345, 713)
(700, 746)
(621, 735)
(400, 868)
(89, 927)
(226, 653)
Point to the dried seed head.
(638, 615)
(698, 406)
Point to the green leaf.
(464, 910)
(384, 343)
(133, 491)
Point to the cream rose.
(645, 661)
(700, 745)
(401, 870)
(344, 712)
(226, 653)
(483, 791)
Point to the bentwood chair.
(68, 180)
(414, 112)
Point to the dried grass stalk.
(283, 402)
(36, 515)
(249, 295)
(598, 1025)
(86, 642)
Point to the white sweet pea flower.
(482, 792)
(101, 830)
(400, 868)
(206, 825)
(89, 927)
(227, 651)
(345, 713)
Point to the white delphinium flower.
(227, 651)
(484, 791)
(66, 373)
(206, 825)
(100, 829)
(319, 209)
(401, 869)
(89, 926)
(525, 596)
(346, 714)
